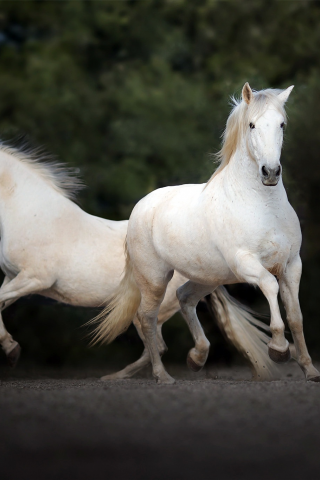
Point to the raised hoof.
(279, 357)
(192, 365)
(13, 356)
(314, 379)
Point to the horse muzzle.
(270, 176)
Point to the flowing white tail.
(121, 309)
(236, 322)
(244, 331)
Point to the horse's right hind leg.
(189, 296)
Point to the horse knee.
(268, 284)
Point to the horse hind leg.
(168, 308)
(189, 296)
(135, 367)
(130, 370)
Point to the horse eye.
(251, 126)
(282, 125)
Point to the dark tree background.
(135, 94)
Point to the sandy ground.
(213, 425)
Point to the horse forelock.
(62, 178)
(238, 121)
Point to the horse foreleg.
(289, 289)
(10, 291)
(250, 270)
(10, 347)
(189, 296)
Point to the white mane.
(61, 178)
(238, 122)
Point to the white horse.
(239, 227)
(51, 247)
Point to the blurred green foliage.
(135, 94)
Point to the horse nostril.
(265, 172)
(278, 171)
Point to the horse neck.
(242, 182)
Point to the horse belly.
(85, 289)
(199, 264)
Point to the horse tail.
(244, 331)
(121, 309)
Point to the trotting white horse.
(51, 247)
(239, 227)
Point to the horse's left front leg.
(289, 290)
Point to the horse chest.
(273, 249)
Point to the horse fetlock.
(196, 359)
(310, 372)
(204, 346)
(163, 378)
(7, 343)
(278, 342)
(14, 355)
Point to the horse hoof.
(13, 356)
(314, 379)
(279, 357)
(192, 365)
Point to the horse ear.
(283, 96)
(247, 94)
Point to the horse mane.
(63, 179)
(238, 122)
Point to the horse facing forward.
(239, 227)
(51, 247)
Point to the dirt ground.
(213, 425)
